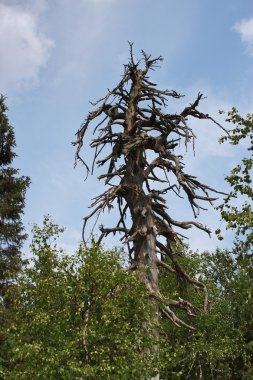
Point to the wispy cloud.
(245, 29)
(24, 49)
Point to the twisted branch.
(132, 120)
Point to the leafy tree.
(78, 317)
(221, 346)
(236, 210)
(81, 317)
(12, 202)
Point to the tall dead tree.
(132, 121)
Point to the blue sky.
(58, 55)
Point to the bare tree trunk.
(143, 231)
(134, 121)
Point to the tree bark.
(137, 122)
(143, 221)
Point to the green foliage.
(221, 347)
(86, 317)
(236, 210)
(12, 202)
(78, 317)
(82, 317)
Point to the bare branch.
(132, 125)
(174, 319)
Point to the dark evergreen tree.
(12, 201)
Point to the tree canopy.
(77, 317)
(236, 210)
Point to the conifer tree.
(12, 201)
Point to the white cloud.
(24, 50)
(245, 29)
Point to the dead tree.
(132, 120)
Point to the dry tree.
(132, 121)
